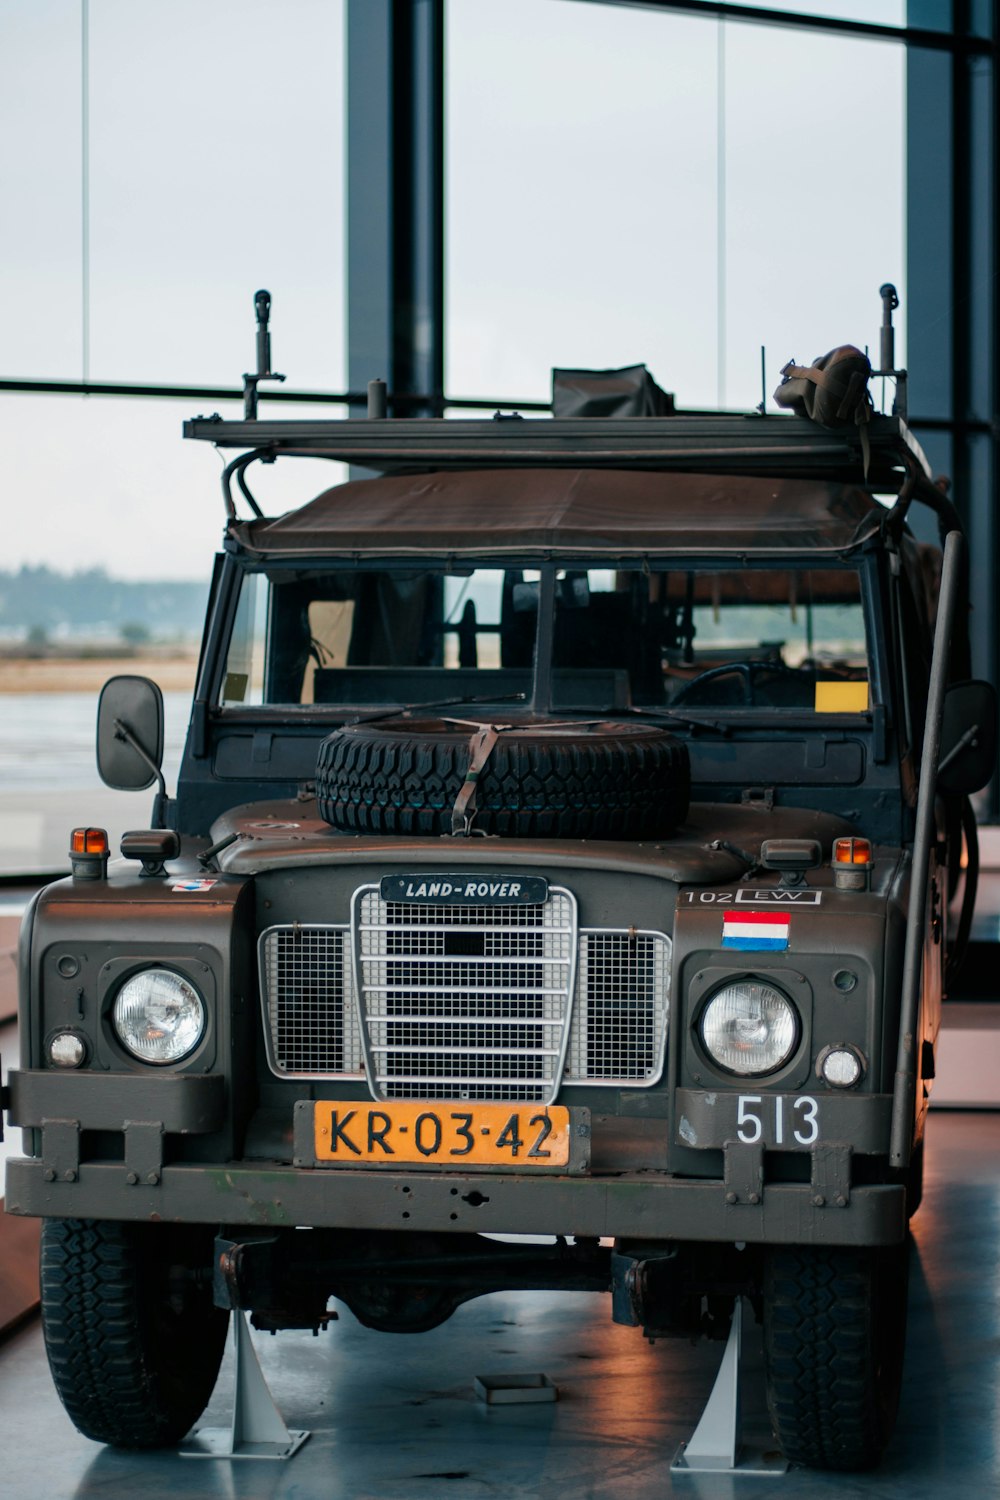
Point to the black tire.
(133, 1339)
(834, 1334)
(542, 780)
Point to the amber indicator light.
(88, 841)
(852, 852)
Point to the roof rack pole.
(905, 1084)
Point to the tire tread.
(834, 1324)
(119, 1381)
(625, 782)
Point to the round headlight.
(749, 1028)
(159, 1016)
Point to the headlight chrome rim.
(159, 1016)
(749, 1028)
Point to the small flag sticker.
(755, 930)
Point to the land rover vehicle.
(562, 847)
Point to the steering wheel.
(746, 671)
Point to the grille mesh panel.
(308, 998)
(619, 1024)
(465, 1001)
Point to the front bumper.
(648, 1204)
(636, 1206)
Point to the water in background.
(49, 782)
(47, 740)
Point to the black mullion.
(226, 393)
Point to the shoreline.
(174, 671)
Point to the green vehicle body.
(690, 1174)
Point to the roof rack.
(757, 443)
(711, 443)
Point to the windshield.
(774, 637)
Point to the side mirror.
(968, 737)
(130, 733)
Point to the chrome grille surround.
(462, 1001)
(622, 1011)
(494, 1007)
(307, 997)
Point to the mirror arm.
(968, 738)
(123, 732)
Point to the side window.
(243, 682)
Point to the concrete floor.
(394, 1417)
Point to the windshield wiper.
(670, 715)
(396, 713)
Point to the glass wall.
(160, 162)
(813, 172)
(645, 185)
(103, 482)
(40, 194)
(581, 195)
(216, 144)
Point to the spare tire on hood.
(540, 778)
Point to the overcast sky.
(624, 185)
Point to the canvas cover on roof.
(578, 512)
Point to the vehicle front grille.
(465, 1001)
(310, 1018)
(499, 1002)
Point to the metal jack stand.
(258, 1429)
(716, 1445)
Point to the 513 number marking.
(785, 1119)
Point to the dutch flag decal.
(755, 929)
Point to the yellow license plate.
(349, 1133)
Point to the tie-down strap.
(480, 749)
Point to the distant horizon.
(101, 571)
(41, 605)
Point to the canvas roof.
(567, 513)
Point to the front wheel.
(133, 1339)
(834, 1334)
